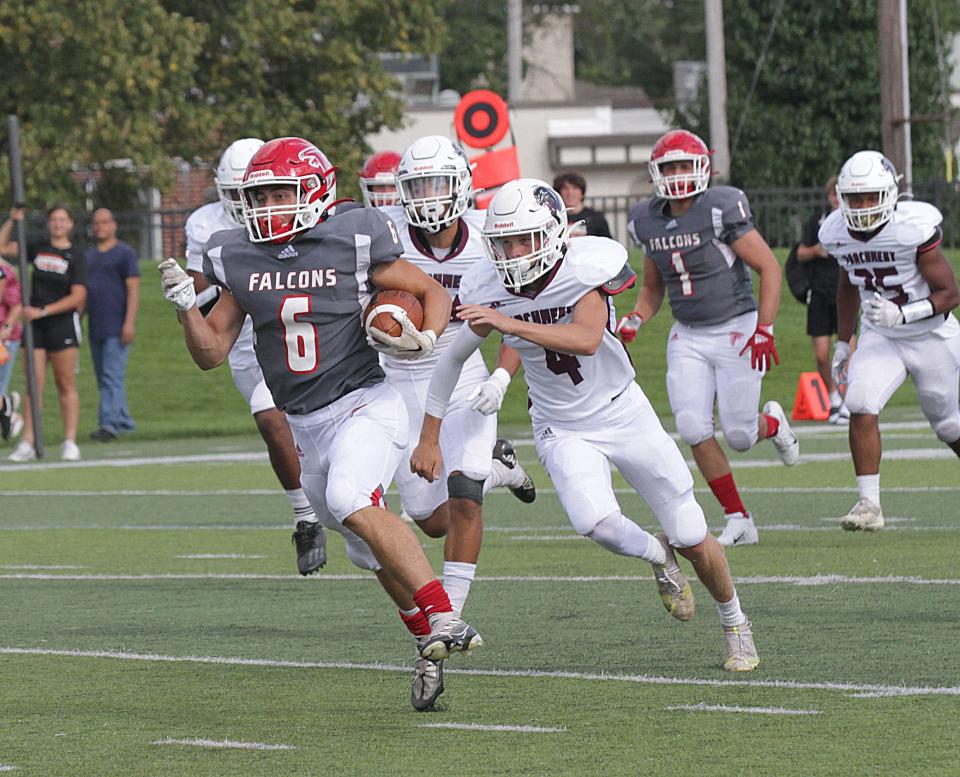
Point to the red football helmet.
(379, 172)
(291, 162)
(680, 146)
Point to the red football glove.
(628, 326)
(763, 352)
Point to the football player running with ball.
(550, 298)
(203, 223)
(699, 246)
(441, 235)
(302, 270)
(892, 269)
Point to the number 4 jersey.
(306, 299)
(707, 283)
(563, 387)
(887, 262)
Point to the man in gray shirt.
(699, 245)
(302, 269)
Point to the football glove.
(487, 398)
(841, 356)
(177, 285)
(628, 326)
(882, 312)
(411, 344)
(763, 351)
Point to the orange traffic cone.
(813, 401)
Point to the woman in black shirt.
(57, 295)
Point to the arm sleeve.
(737, 216)
(385, 243)
(934, 240)
(78, 270)
(132, 269)
(213, 268)
(448, 369)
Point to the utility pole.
(514, 50)
(717, 89)
(895, 87)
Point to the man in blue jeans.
(112, 299)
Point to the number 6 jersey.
(563, 387)
(886, 262)
(306, 299)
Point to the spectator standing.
(11, 309)
(572, 188)
(824, 273)
(113, 290)
(58, 292)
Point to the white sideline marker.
(7, 768)
(704, 707)
(38, 566)
(226, 743)
(495, 727)
(218, 555)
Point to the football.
(379, 313)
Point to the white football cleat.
(672, 585)
(741, 652)
(739, 530)
(785, 441)
(864, 515)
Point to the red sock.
(725, 490)
(773, 425)
(417, 624)
(432, 599)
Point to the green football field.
(153, 624)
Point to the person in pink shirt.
(11, 306)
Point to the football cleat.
(675, 591)
(785, 441)
(450, 634)
(427, 683)
(839, 415)
(739, 530)
(311, 542)
(9, 414)
(741, 652)
(504, 453)
(864, 515)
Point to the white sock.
(457, 577)
(502, 475)
(869, 487)
(619, 534)
(302, 511)
(730, 612)
(835, 398)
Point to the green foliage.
(474, 52)
(148, 80)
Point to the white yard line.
(7, 768)
(797, 580)
(859, 690)
(704, 707)
(218, 555)
(225, 743)
(495, 727)
(37, 566)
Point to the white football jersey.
(887, 262)
(201, 225)
(447, 270)
(563, 387)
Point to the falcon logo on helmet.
(302, 168)
(526, 232)
(867, 191)
(690, 160)
(434, 183)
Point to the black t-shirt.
(824, 271)
(594, 221)
(55, 270)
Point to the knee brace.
(690, 527)
(740, 439)
(610, 533)
(693, 430)
(460, 486)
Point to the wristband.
(502, 377)
(917, 311)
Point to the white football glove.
(411, 344)
(177, 285)
(487, 398)
(882, 312)
(841, 355)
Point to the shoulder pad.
(916, 221)
(719, 195)
(396, 213)
(475, 218)
(595, 261)
(479, 284)
(623, 280)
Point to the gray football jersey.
(306, 299)
(706, 282)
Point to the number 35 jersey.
(887, 262)
(562, 387)
(306, 299)
(706, 282)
